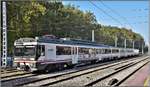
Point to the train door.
(50, 52)
(74, 53)
(92, 53)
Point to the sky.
(129, 14)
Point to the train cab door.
(74, 53)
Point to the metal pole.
(116, 40)
(93, 36)
(142, 48)
(125, 44)
(133, 44)
(4, 30)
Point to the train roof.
(71, 42)
(65, 41)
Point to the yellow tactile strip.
(147, 82)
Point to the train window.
(29, 51)
(90, 51)
(94, 51)
(61, 50)
(18, 51)
(102, 51)
(99, 51)
(83, 50)
(115, 50)
(80, 50)
(122, 50)
(107, 51)
(86, 50)
(129, 50)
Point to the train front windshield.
(25, 51)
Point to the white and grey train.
(46, 53)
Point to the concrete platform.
(140, 78)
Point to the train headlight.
(32, 59)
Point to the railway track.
(114, 79)
(12, 74)
(68, 76)
(9, 71)
(29, 79)
(15, 78)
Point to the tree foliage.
(108, 35)
(37, 18)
